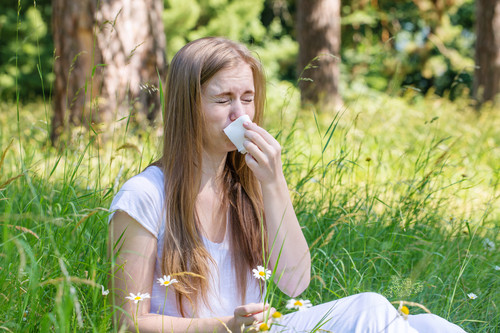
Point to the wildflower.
(261, 273)
(277, 317)
(25, 315)
(488, 244)
(403, 310)
(263, 327)
(166, 281)
(301, 304)
(105, 292)
(472, 296)
(137, 298)
(497, 268)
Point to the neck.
(211, 168)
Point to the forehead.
(234, 78)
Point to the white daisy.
(489, 244)
(277, 317)
(166, 281)
(403, 310)
(105, 292)
(472, 296)
(261, 273)
(137, 298)
(262, 327)
(300, 304)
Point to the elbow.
(299, 283)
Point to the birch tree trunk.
(318, 34)
(487, 73)
(109, 59)
(132, 41)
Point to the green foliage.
(394, 44)
(238, 20)
(26, 49)
(188, 20)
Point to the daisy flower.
(472, 296)
(497, 268)
(403, 310)
(263, 327)
(166, 281)
(105, 292)
(277, 316)
(261, 273)
(299, 304)
(489, 244)
(137, 298)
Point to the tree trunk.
(487, 73)
(318, 34)
(118, 50)
(132, 42)
(72, 23)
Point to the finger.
(249, 308)
(255, 153)
(265, 134)
(257, 139)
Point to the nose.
(237, 110)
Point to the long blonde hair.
(183, 249)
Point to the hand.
(264, 154)
(247, 315)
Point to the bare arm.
(264, 159)
(134, 272)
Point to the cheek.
(250, 112)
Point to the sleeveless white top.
(142, 198)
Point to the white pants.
(362, 313)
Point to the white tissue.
(235, 132)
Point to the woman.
(204, 214)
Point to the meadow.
(396, 194)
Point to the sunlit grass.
(396, 195)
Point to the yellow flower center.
(263, 327)
(277, 314)
(137, 298)
(262, 273)
(298, 303)
(405, 310)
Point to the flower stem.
(163, 311)
(136, 323)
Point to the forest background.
(397, 188)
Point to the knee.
(372, 300)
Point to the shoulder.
(142, 198)
(150, 180)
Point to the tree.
(72, 26)
(318, 34)
(487, 57)
(108, 59)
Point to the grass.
(397, 195)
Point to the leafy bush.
(26, 49)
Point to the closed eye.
(248, 98)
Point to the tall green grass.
(397, 195)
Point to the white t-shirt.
(142, 198)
